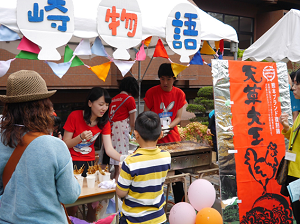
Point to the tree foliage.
(202, 104)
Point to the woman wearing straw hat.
(43, 177)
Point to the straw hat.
(24, 86)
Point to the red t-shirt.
(83, 151)
(123, 112)
(166, 105)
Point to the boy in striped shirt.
(143, 173)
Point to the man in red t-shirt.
(167, 101)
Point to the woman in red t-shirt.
(82, 129)
(122, 112)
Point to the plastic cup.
(91, 181)
(80, 180)
(106, 177)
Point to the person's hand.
(283, 119)
(166, 130)
(208, 132)
(87, 135)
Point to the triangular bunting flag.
(98, 48)
(124, 66)
(217, 45)
(8, 35)
(4, 66)
(27, 45)
(59, 69)
(68, 56)
(221, 56)
(209, 64)
(101, 70)
(177, 68)
(206, 49)
(197, 59)
(141, 55)
(147, 41)
(160, 50)
(83, 48)
(107, 220)
(222, 46)
(27, 55)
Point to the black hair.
(297, 75)
(148, 126)
(165, 69)
(57, 129)
(94, 94)
(292, 75)
(129, 85)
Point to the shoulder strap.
(111, 117)
(16, 155)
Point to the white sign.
(48, 23)
(183, 31)
(120, 25)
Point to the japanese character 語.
(191, 25)
(254, 115)
(190, 44)
(177, 23)
(252, 95)
(254, 132)
(130, 19)
(247, 69)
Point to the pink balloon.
(201, 194)
(182, 213)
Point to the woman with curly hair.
(43, 177)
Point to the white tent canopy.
(154, 17)
(280, 43)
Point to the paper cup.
(78, 175)
(106, 177)
(80, 180)
(91, 181)
(100, 176)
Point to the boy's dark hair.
(148, 126)
(57, 126)
(165, 69)
(129, 85)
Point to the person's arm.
(146, 108)
(71, 142)
(177, 118)
(132, 120)
(121, 193)
(110, 151)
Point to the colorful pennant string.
(160, 50)
(59, 69)
(27, 55)
(4, 66)
(206, 49)
(29, 46)
(101, 70)
(177, 68)
(69, 55)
